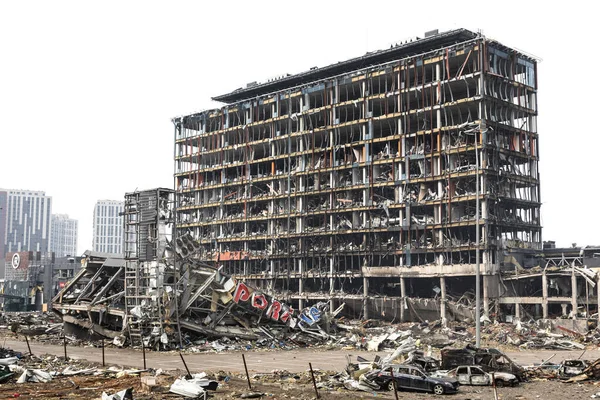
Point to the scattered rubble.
(330, 332)
(188, 388)
(410, 356)
(126, 394)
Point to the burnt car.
(491, 359)
(477, 375)
(410, 377)
(426, 363)
(572, 367)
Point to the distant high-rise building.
(24, 220)
(63, 241)
(108, 227)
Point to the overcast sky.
(88, 89)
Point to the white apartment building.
(24, 220)
(63, 241)
(108, 227)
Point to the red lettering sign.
(241, 293)
(259, 301)
(287, 314)
(274, 310)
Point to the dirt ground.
(295, 384)
(91, 387)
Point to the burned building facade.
(359, 182)
(27, 280)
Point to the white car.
(475, 375)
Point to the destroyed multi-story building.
(159, 287)
(25, 284)
(122, 294)
(367, 187)
(359, 182)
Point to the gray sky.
(88, 89)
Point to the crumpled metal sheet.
(126, 394)
(188, 388)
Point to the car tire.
(499, 383)
(438, 389)
(390, 386)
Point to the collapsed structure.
(373, 184)
(160, 287)
(359, 182)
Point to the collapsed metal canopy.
(159, 288)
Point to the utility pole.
(477, 193)
(477, 272)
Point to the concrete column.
(402, 295)
(486, 299)
(300, 119)
(438, 98)
(365, 296)
(574, 294)
(443, 300)
(598, 298)
(331, 284)
(518, 310)
(301, 284)
(564, 308)
(544, 295)
(337, 93)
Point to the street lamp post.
(477, 239)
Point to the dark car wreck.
(491, 359)
(572, 368)
(410, 377)
(426, 363)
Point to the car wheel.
(390, 386)
(499, 383)
(438, 389)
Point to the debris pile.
(203, 304)
(320, 327)
(592, 371)
(534, 335)
(42, 325)
(195, 386)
